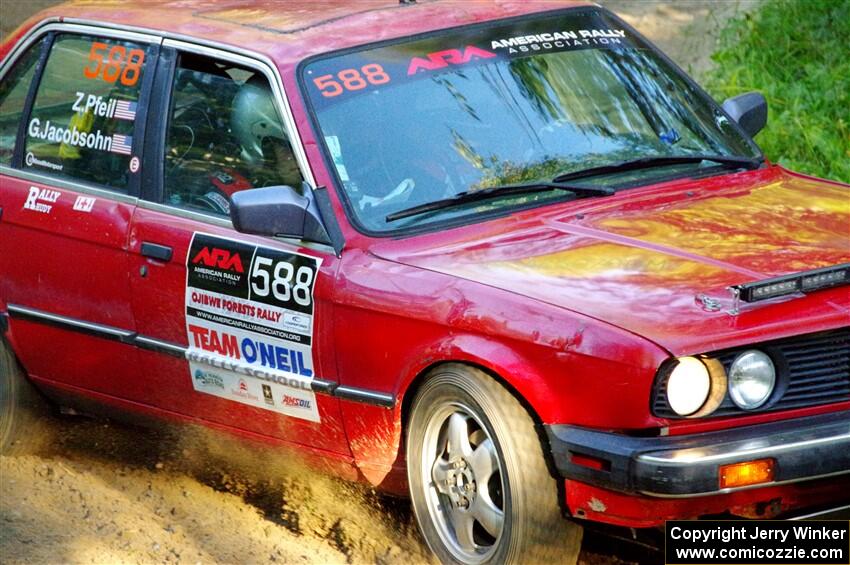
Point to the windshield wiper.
(659, 161)
(497, 191)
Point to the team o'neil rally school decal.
(249, 319)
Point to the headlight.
(688, 386)
(752, 378)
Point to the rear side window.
(83, 120)
(224, 135)
(13, 93)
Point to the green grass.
(796, 53)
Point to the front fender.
(394, 322)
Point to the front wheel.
(481, 490)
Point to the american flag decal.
(122, 144)
(125, 110)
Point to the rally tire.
(497, 478)
(22, 409)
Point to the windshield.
(512, 102)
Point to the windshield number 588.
(351, 79)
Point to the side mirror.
(278, 210)
(749, 110)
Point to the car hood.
(643, 259)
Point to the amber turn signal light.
(747, 473)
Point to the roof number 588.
(113, 62)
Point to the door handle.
(156, 251)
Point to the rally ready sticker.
(249, 320)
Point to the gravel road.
(108, 493)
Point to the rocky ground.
(103, 493)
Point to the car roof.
(288, 32)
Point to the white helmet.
(254, 119)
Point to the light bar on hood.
(807, 281)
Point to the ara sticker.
(447, 57)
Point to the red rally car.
(504, 256)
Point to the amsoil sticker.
(249, 320)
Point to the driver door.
(236, 327)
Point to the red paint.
(602, 505)
(84, 277)
(159, 305)
(637, 260)
(573, 306)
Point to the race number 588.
(281, 280)
(351, 79)
(113, 62)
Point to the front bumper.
(687, 466)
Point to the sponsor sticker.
(447, 57)
(559, 40)
(84, 203)
(207, 379)
(267, 394)
(337, 78)
(41, 199)
(249, 321)
(31, 160)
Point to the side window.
(13, 94)
(224, 135)
(83, 120)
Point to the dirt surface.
(107, 493)
(686, 30)
(104, 493)
(14, 12)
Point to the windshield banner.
(334, 79)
